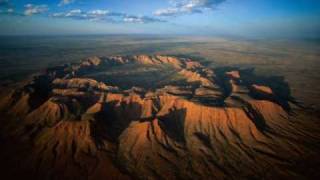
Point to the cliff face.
(218, 124)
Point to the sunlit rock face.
(151, 117)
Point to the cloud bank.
(31, 9)
(105, 15)
(65, 2)
(181, 7)
(77, 14)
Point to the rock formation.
(215, 125)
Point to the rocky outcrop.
(82, 83)
(263, 90)
(218, 125)
(194, 77)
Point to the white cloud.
(132, 20)
(31, 9)
(140, 19)
(65, 2)
(180, 7)
(105, 15)
(74, 13)
(167, 12)
(79, 14)
(7, 12)
(98, 12)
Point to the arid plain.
(295, 60)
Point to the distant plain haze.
(244, 18)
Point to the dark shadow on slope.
(173, 124)
(281, 89)
(281, 93)
(58, 71)
(255, 116)
(38, 90)
(222, 80)
(257, 119)
(113, 120)
(205, 139)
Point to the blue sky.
(248, 18)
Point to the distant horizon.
(248, 18)
(237, 37)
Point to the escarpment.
(150, 117)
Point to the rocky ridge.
(219, 124)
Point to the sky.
(243, 18)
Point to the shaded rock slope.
(225, 123)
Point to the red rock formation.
(195, 77)
(93, 61)
(80, 128)
(262, 90)
(233, 74)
